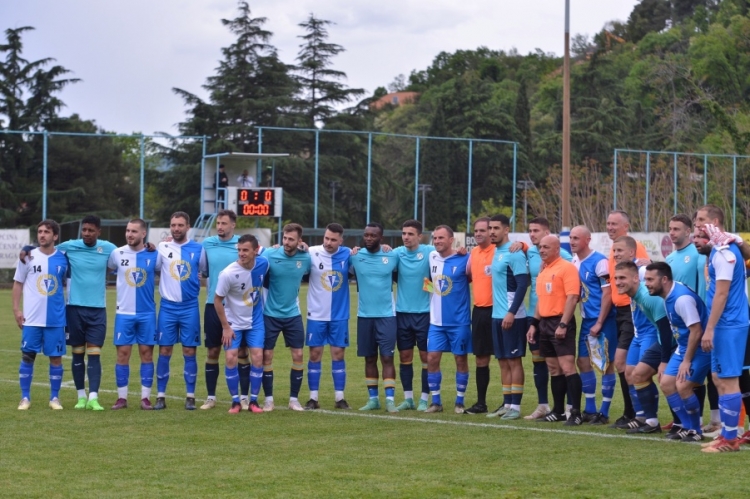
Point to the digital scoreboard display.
(257, 202)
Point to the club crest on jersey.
(100, 250)
(488, 270)
(385, 261)
(420, 256)
(687, 258)
(180, 270)
(548, 287)
(331, 280)
(47, 284)
(500, 258)
(136, 277)
(299, 265)
(251, 297)
(443, 285)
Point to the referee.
(558, 288)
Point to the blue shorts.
(699, 367)
(411, 330)
(454, 339)
(47, 340)
(509, 343)
(609, 330)
(132, 329)
(728, 355)
(322, 333)
(638, 348)
(376, 334)
(179, 323)
(86, 325)
(252, 338)
(212, 329)
(652, 356)
(294, 332)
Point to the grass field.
(176, 453)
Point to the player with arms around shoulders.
(42, 319)
(239, 307)
(182, 261)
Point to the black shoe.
(691, 436)
(587, 417)
(476, 409)
(341, 404)
(552, 417)
(644, 427)
(621, 422)
(161, 403)
(190, 404)
(677, 435)
(311, 405)
(599, 419)
(632, 424)
(575, 419)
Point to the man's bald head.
(580, 237)
(549, 248)
(581, 230)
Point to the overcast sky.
(130, 53)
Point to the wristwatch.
(563, 325)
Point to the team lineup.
(680, 326)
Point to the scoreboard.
(259, 202)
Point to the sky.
(131, 53)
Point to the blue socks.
(313, 375)
(162, 373)
(462, 380)
(678, 406)
(729, 411)
(434, 380)
(608, 391)
(122, 375)
(648, 396)
(406, 373)
(256, 379)
(588, 385)
(233, 377)
(338, 371)
(147, 374)
(55, 381)
(693, 409)
(190, 373)
(94, 370)
(636, 403)
(25, 376)
(78, 369)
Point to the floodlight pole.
(424, 188)
(566, 126)
(332, 184)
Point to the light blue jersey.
(735, 314)
(535, 266)
(43, 298)
(135, 279)
(702, 272)
(219, 255)
(594, 273)
(181, 265)
(374, 273)
(684, 308)
(450, 300)
(646, 310)
(413, 268)
(505, 267)
(685, 264)
(285, 274)
(87, 286)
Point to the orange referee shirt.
(481, 277)
(619, 300)
(553, 285)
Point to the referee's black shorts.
(625, 328)
(481, 331)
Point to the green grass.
(176, 453)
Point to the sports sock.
(268, 380)
(147, 379)
(573, 383)
(693, 415)
(94, 369)
(212, 376)
(243, 370)
(338, 372)
(483, 382)
(162, 374)
(190, 374)
(608, 391)
(406, 373)
(78, 369)
(256, 379)
(559, 387)
(729, 410)
(462, 380)
(390, 388)
(372, 387)
(313, 378)
(232, 376)
(516, 394)
(588, 385)
(295, 380)
(648, 397)
(506, 395)
(636, 403)
(434, 379)
(55, 380)
(425, 384)
(627, 401)
(677, 404)
(25, 376)
(700, 393)
(122, 377)
(541, 380)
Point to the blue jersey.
(685, 264)
(450, 301)
(594, 273)
(87, 286)
(219, 255)
(285, 274)
(703, 272)
(374, 273)
(535, 266)
(43, 298)
(646, 310)
(735, 314)
(242, 290)
(684, 308)
(181, 266)
(413, 268)
(135, 279)
(328, 293)
(505, 267)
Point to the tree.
(320, 85)
(647, 17)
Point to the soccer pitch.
(326, 453)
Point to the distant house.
(395, 99)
